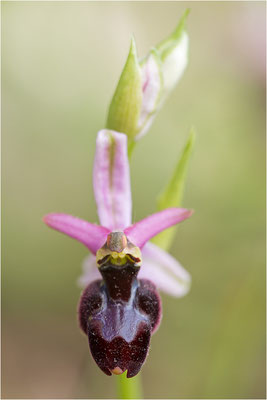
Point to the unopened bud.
(144, 85)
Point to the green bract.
(172, 195)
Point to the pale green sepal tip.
(181, 26)
(167, 45)
(172, 195)
(126, 103)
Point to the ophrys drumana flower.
(120, 307)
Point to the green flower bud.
(144, 85)
(125, 107)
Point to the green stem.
(129, 388)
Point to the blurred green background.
(60, 65)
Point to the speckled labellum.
(119, 312)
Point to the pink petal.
(112, 180)
(93, 236)
(144, 230)
(90, 271)
(164, 271)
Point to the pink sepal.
(164, 271)
(91, 235)
(144, 230)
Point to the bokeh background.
(60, 65)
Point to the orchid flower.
(120, 307)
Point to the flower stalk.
(129, 388)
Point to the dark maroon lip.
(120, 281)
(119, 352)
(119, 314)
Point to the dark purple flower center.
(119, 315)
